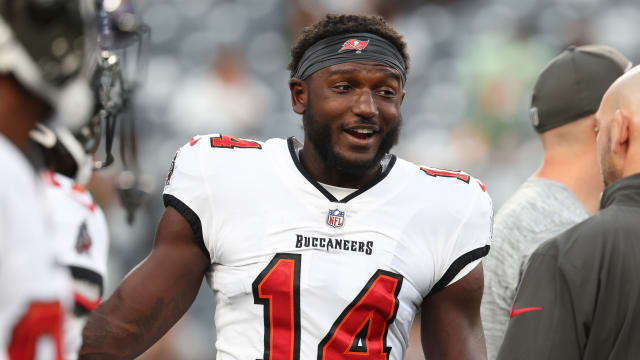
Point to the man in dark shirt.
(580, 294)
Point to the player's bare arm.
(151, 298)
(451, 326)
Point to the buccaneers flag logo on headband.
(353, 44)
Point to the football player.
(42, 63)
(318, 250)
(80, 229)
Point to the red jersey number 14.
(360, 332)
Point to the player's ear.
(594, 124)
(299, 95)
(620, 130)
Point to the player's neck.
(19, 112)
(323, 173)
(578, 172)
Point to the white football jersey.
(298, 274)
(33, 288)
(81, 236)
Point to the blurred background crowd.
(220, 66)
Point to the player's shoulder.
(223, 141)
(455, 190)
(62, 189)
(444, 181)
(216, 148)
(208, 156)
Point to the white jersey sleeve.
(81, 231)
(186, 190)
(470, 238)
(82, 241)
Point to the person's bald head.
(618, 121)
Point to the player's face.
(352, 116)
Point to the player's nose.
(364, 104)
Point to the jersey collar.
(387, 164)
(625, 190)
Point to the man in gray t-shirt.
(522, 223)
(567, 186)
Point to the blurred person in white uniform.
(42, 67)
(79, 225)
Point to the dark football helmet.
(44, 45)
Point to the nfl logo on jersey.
(335, 218)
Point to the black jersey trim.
(296, 161)
(84, 274)
(327, 194)
(191, 217)
(457, 266)
(380, 177)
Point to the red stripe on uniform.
(86, 303)
(515, 312)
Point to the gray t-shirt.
(539, 210)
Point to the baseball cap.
(572, 85)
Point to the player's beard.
(607, 164)
(321, 137)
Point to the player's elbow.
(105, 338)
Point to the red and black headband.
(346, 48)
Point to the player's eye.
(342, 87)
(387, 93)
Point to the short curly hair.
(336, 24)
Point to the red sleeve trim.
(86, 303)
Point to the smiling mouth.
(362, 134)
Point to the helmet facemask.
(117, 47)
